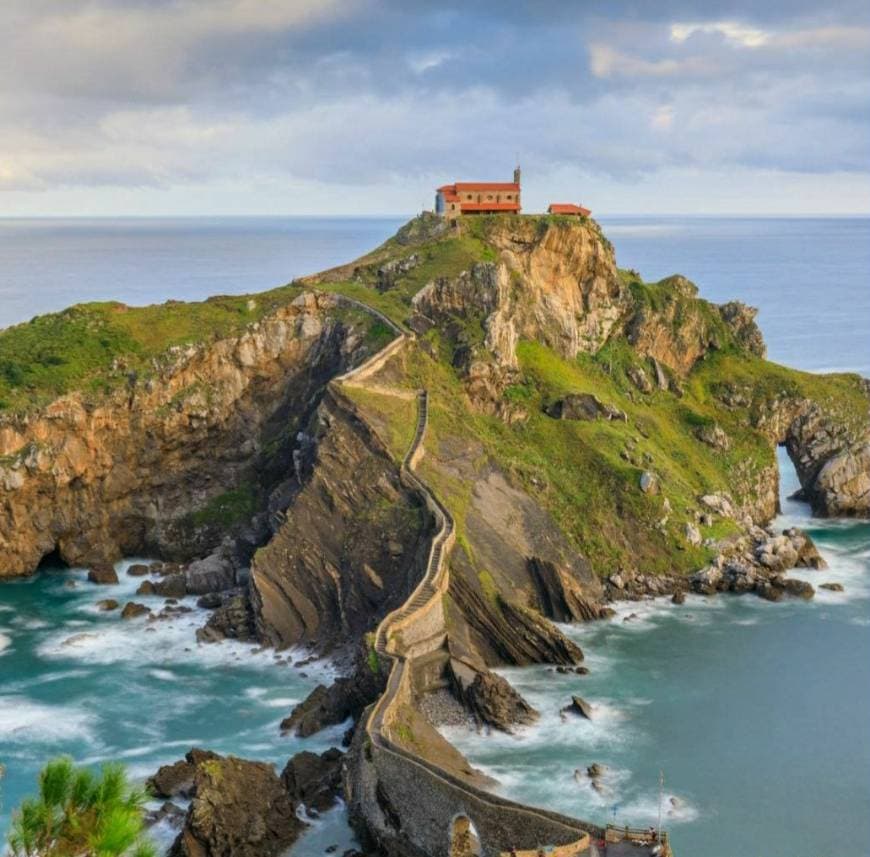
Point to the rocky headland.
(585, 437)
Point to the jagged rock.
(580, 707)
(132, 609)
(707, 580)
(314, 780)
(309, 585)
(107, 604)
(718, 503)
(233, 619)
(561, 595)
(679, 597)
(661, 378)
(209, 601)
(741, 319)
(146, 587)
(640, 379)
(345, 698)
(714, 436)
(168, 812)
(649, 482)
(832, 587)
(391, 271)
(584, 406)
(125, 472)
(171, 586)
(424, 227)
(176, 780)
(138, 570)
(214, 573)
(842, 486)
(769, 591)
(488, 697)
(798, 588)
(239, 809)
(102, 573)
(692, 534)
(595, 770)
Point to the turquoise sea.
(758, 713)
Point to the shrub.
(81, 814)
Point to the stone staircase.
(432, 582)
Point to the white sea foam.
(160, 643)
(163, 674)
(24, 720)
(5, 642)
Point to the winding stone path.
(434, 798)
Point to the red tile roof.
(568, 208)
(485, 186)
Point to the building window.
(508, 197)
(468, 196)
(489, 196)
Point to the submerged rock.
(107, 604)
(168, 812)
(314, 780)
(579, 706)
(138, 570)
(832, 587)
(102, 573)
(595, 770)
(488, 697)
(132, 609)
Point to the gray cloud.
(360, 92)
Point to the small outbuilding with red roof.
(568, 208)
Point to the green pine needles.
(81, 814)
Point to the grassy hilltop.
(584, 474)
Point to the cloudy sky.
(363, 106)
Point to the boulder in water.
(171, 586)
(107, 604)
(314, 780)
(138, 570)
(176, 780)
(103, 573)
(240, 809)
(595, 770)
(580, 707)
(832, 587)
(132, 609)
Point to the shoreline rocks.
(753, 562)
(239, 809)
(132, 609)
(579, 706)
(103, 574)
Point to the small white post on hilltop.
(661, 796)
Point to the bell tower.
(517, 174)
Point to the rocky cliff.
(171, 465)
(351, 546)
